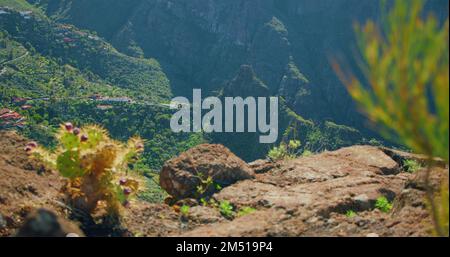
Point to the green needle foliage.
(405, 85)
(404, 63)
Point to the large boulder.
(182, 175)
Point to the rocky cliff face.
(309, 196)
(202, 44)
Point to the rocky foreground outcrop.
(307, 196)
(182, 176)
(25, 187)
(310, 196)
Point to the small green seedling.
(245, 211)
(226, 209)
(383, 204)
(217, 186)
(411, 166)
(350, 214)
(203, 201)
(205, 184)
(185, 210)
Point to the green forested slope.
(62, 68)
(43, 57)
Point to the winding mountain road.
(15, 59)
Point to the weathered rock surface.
(24, 185)
(181, 176)
(308, 196)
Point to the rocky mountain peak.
(245, 84)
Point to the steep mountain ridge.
(198, 44)
(203, 43)
(315, 136)
(86, 51)
(166, 48)
(98, 69)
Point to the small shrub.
(411, 166)
(383, 204)
(211, 202)
(95, 166)
(284, 151)
(226, 209)
(294, 144)
(278, 152)
(307, 153)
(374, 142)
(205, 184)
(217, 186)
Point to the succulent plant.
(92, 164)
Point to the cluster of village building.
(69, 35)
(66, 33)
(10, 118)
(5, 10)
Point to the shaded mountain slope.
(199, 44)
(314, 135)
(85, 51)
(203, 43)
(52, 73)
